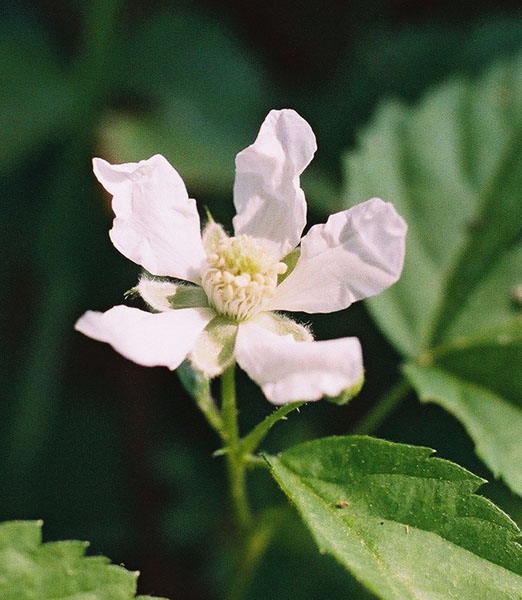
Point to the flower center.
(240, 277)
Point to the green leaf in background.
(402, 61)
(484, 412)
(30, 569)
(406, 525)
(453, 168)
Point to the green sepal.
(346, 395)
(213, 351)
(282, 325)
(188, 296)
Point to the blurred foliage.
(453, 166)
(38, 101)
(102, 449)
(403, 62)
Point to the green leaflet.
(453, 168)
(491, 420)
(406, 525)
(30, 569)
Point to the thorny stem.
(389, 402)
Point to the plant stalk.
(236, 463)
(387, 404)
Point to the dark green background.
(98, 447)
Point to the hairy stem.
(236, 463)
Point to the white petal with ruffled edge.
(157, 224)
(356, 254)
(290, 371)
(269, 202)
(148, 339)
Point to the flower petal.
(269, 202)
(213, 351)
(165, 295)
(289, 371)
(161, 339)
(156, 224)
(357, 253)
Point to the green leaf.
(453, 168)
(30, 569)
(450, 168)
(406, 525)
(491, 420)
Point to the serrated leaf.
(491, 420)
(407, 525)
(453, 167)
(56, 570)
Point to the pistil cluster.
(240, 277)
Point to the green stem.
(229, 408)
(205, 403)
(236, 463)
(251, 441)
(384, 407)
(253, 551)
(198, 387)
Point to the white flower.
(226, 312)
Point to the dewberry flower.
(216, 298)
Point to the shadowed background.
(100, 448)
